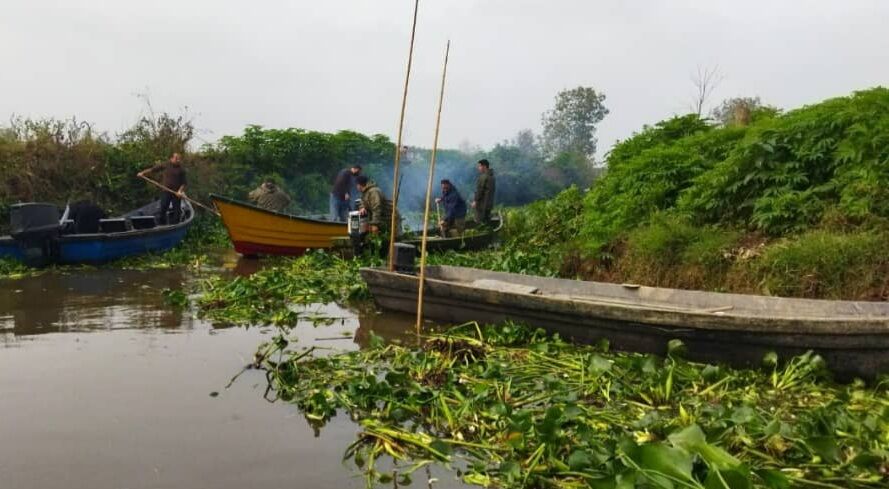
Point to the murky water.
(102, 385)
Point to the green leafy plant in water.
(508, 406)
(273, 295)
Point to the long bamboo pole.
(185, 197)
(444, 74)
(395, 182)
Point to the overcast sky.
(330, 65)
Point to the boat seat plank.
(502, 286)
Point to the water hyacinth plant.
(509, 406)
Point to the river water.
(103, 385)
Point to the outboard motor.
(357, 223)
(35, 227)
(405, 258)
(357, 228)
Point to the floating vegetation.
(11, 269)
(272, 295)
(511, 407)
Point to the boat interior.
(38, 217)
(656, 298)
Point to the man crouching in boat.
(454, 221)
(173, 178)
(377, 211)
(270, 196)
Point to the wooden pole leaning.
(422, 281)
(185, 197)
(395, 182)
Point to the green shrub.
(545, 223)
(790, 169)
(649, 181)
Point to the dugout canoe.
(468, 242)
(257, 231)
(852, 336)
(42, 235)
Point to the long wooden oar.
(162, 187)
(395, 180)
(444, 74)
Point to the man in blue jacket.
(453, 223)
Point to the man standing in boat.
(173, 177)
(340, 203)
(484, 192)
(270, 196)
(377, 211)
(454, 221)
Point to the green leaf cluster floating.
(272, 295)
(507, 406)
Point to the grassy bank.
(793, 204)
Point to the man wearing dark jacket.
(484, 192)
(453, 223)
(173, 177)
(340, 205)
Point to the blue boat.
(42, 235)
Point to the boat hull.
(469, 242)
(257, 231)
(101, 248)
(852, 346)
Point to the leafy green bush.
(650, 180)
(790, 169)
(545, 223)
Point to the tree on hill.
(741, 111)
(571, 125)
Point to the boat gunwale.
(248, 206)
(844, 325)
(451, 239)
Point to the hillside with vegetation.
(791, 204)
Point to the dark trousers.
(483, 215)
(166, 200)
(363, 242)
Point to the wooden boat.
(257, 231)
(468, 242)
(853, 337)
(43, 237)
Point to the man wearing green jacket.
(377, 209)
(270, 196)
(484, 192)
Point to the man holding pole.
(454, 221)
(174, 179)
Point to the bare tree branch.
(705, 80)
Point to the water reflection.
(88, 300)
(112, 400)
